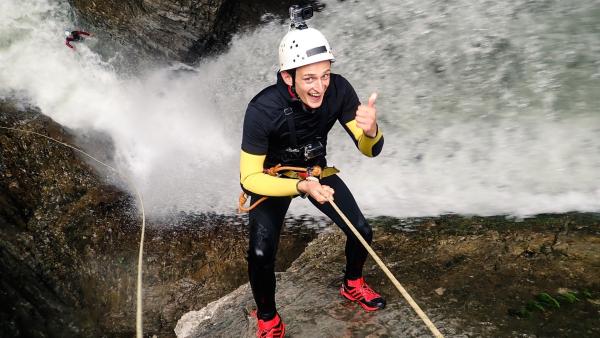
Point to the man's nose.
(319, 86)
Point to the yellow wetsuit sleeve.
(253, 179)
(365, 143)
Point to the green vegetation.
(544, 301)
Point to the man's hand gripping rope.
(308, 185)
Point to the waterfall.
(486, 107)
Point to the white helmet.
(67, 33)
(301, 47)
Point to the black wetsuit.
(75, 37)
(267, 132)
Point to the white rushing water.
(487, 108)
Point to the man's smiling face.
(311, 82)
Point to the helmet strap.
(292, 73)
(292, 89)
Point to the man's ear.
(287, 78)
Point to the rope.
(316, 171)
(138, 317)
(408, 298)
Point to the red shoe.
(273, 328)
(358, 291)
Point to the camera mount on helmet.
(298, 16)
(302, 45)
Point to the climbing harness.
(138, 317)
(302, 173)
(307, 152)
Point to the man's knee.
(261, 255)
(365, 229)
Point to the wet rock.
(309, 302)
(476, 296)
(181, 30)
(69, 244)
(157, 26)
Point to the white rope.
(397, 284)
(138, 317)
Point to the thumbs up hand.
(366, 117)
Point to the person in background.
(74, 36)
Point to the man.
(287, 123)
(74, 36)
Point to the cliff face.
(182, 30)
(43, 241)
(69, 242)
(54, 215)
(177, 30)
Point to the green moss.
(544, 301)
(533, 305)
(568, 297)
(547, 301)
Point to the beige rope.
(138, 317)
(408, 298)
